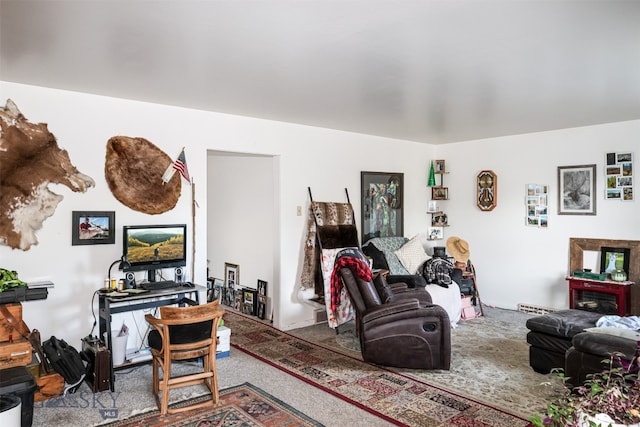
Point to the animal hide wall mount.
(133, 170)
(30, 160)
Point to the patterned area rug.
(244, 405)
(393, 396)
(489, 363)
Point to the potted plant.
(610, 398)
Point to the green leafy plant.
(9, 280)
(614, 392)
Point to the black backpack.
(65, 359)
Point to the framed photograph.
(439, 193)
(262, 287)
(435, 233)
(231, 275)
(614, 259)
(93, 227)
(262, 307)
(432, 206)
(577, 190)
(439, 220)
(439, 166)
(249, 301)
(215, 289)
(382, 207)
(618, 176)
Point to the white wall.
(241, 223)
(516, 264)
(520, 264)
(326, 160)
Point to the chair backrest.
(363, 294)
(190, 327)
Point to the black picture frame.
(381, 204)
(261, 307)
(619, 257)
(249, 301)
(93, 228)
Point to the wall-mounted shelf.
(439, 219)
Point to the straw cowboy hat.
(458, 248)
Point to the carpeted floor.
(483, 379)
(402, 397)
(489, 361)
(243, 405)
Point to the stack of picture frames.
(619, 176)
(250, 301)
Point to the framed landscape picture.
(381, 204)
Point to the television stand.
(139, 301)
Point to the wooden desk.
(150, 299)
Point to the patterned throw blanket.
(357, 262)
(322, 213)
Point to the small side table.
(602, 296)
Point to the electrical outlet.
(299, 210)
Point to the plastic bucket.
(118, 347)
(10, 411)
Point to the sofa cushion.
(412, 254)
(563, 323)
(388, 245)
(618, 332)
(603, 345)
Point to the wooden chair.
(183, 333)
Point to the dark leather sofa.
(398, 327)
(560, 340)
(588, 352)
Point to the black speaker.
(179, 275)
(129, 280)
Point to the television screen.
(151, 247)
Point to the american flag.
(181, 166)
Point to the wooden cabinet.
(601, 296)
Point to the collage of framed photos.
(250, 301)
(537, 200)
(618, 175)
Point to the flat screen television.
(154, 247)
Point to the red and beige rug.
(395, 397)
(243, 405)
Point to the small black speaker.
(129, 280)
(179, 275)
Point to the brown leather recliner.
(398, 327)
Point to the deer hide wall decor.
(30, 160)
(133, 170)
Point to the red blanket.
(357, 265)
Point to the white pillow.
(619, 332)
(412, 254)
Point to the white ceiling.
(429, 71)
